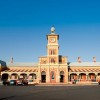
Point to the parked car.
(5, 82)
(30, 82)
(12, 82)
(74, 81)
(99, 82)
(21, 82)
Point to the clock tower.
(53, 67)
(53, 47)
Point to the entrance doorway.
(62, 76)
(43, 76)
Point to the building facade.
(53, 68)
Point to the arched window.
(52, 60)
(52, 75)
(52, 52)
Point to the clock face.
(52, 40)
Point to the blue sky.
(24, 22)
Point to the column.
(18, 75)
(96, 76)
(66, 76)
(39, 74)
(69, 78)
(27, 75)
(48, 75)
(0, 76)
(78, 77)
(9, 76)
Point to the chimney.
(94, 59)
(11, 61)
(79, 59)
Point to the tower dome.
(52, 30)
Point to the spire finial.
(94, 59)
(79, 59)
(11, 61)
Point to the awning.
(21, 70)
(84, 70)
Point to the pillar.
(58, 75)
(87, 76)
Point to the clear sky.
(24, 25)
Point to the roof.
(84, 64)
(21, 64)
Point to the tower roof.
(52, 32)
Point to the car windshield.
(30, 80)
(11, 80)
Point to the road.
(91, 92)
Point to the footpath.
(65, 84)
